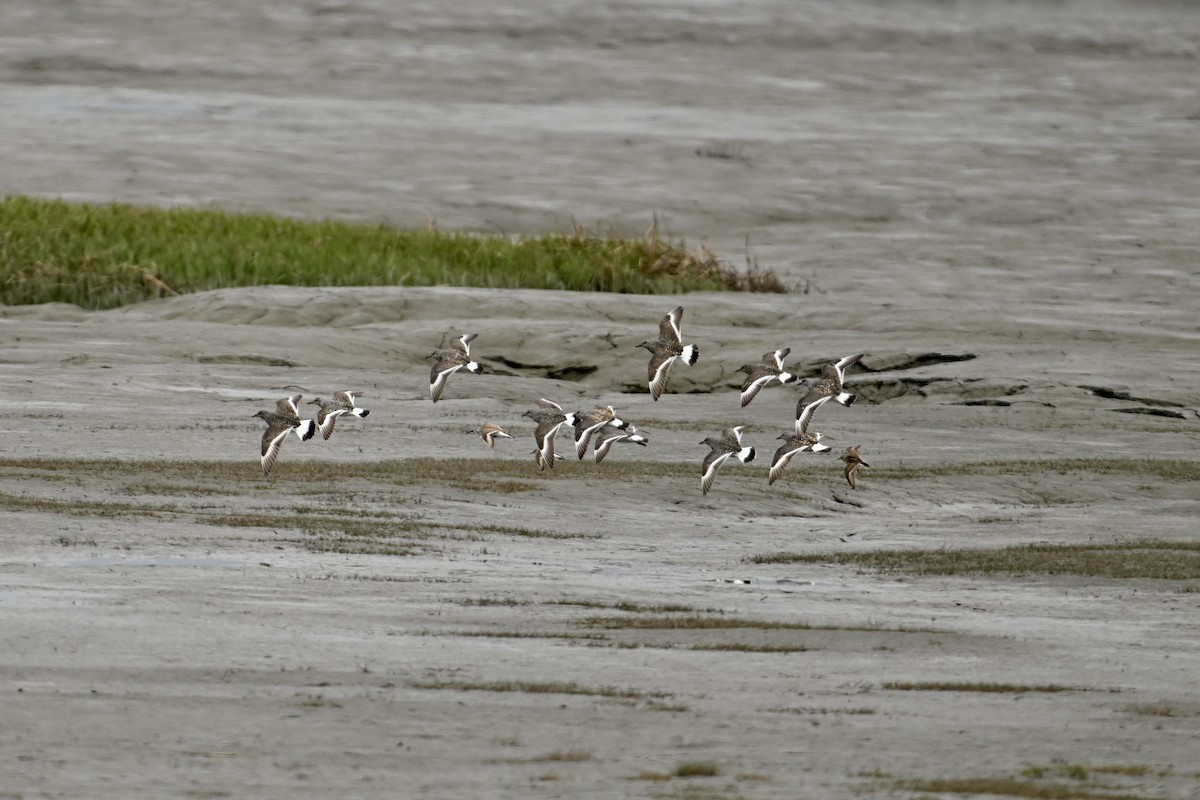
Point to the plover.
(285, 418)
(853, 462)
(329, 410)
(447, 362)
(549, 417)
(829, 385)
(665, 349)
(798, 441)
(588, 422)
(489, 433)
(608, 436)
(729, 443)
(759, 375)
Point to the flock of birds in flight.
(601, 424)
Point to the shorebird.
(729, 443)
(329, 411)
(549, 417)
(285, 418)
(853, 462)
(829, 385)
(489, 433)
(608, 436)
(759, 375)
(587, 423)
(798, 441)
(447, 362)
(665, 349)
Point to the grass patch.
(638, 608)
(102, 256)
(697, 622)
(697, 769)
(565, 755)
(1143, 558)
(1010, 787)
(959, 686)
(1153, 710)
(538, 688)
(1166, 469)
(823, 710)
(739, 647)
(315, 474)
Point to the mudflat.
(995, 204)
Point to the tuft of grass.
(739, 647)
(565, 755)
(1009, 787)
(1166, 469)
(699, 622)
(538, 688)
(958, 686)
(1143, 558)
(697, 769)
(650, 775)
(1153, 710)
(823, 710)
(103, 256)
(639, 608)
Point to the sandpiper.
(608, 436)
(729, 443)
(853, 462)
(285, 418)
(490, 432)
(329, 410)
(588, 422)
(549, 417)
(665, 349)
(759, 375)
(829, 385)
(798, 441)
(447, 362)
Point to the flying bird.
(329, 410)
(665, 349)
(729, 443)
(587, 423)
(283, 420)
(798, 441)
(448, 362)
(853, 462)
(549, 417)
(830, 385)
(760, 375)
(489, 433)
(608, 436)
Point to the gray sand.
(997, 203)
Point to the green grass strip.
(1009, 787)
(102, 256)
(1143, 558)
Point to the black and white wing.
(668, 329)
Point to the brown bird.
(665, 349)
(284, 419)
(853, 462)
(489, 433)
